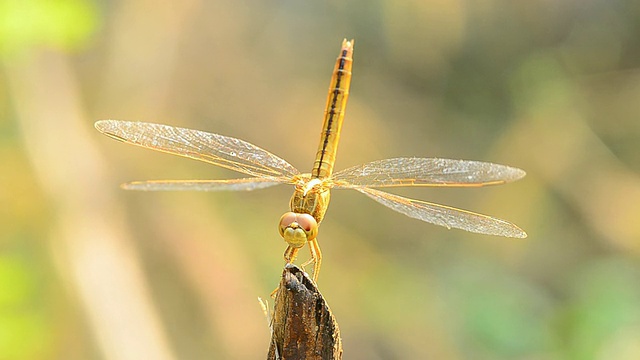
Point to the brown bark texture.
(302, 326)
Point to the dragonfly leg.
(316, 258)
(290, 254)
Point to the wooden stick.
(303, 326)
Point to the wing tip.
(517, 174)
(105, 125)
(126, 186)
(520, 234)
(100, 125)
(512, 231)
(135, 185)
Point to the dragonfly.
(311, 195)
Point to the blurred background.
(90, 271)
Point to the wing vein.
(224, 151)
(446, 216)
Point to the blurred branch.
(89, 234)
(303, 326)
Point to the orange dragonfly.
(311, 195)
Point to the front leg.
(290, 254)
(316, 258)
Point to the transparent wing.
(446, 216)
(247, 184)
(426, 172)
(224, 151)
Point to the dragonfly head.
(297, 229)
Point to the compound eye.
(286, 220)
(308, 224)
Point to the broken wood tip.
(302, 326)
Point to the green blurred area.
(88, 271)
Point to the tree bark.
(302, 326)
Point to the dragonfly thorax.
(311, 196)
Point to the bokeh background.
(89, 271)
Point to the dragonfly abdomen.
(334, 112)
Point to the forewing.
(426, 172)
(224, 151)
(247, 184)
(446, 216)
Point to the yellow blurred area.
(90, 271)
